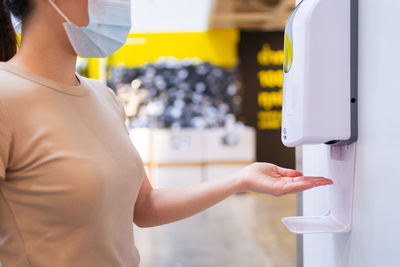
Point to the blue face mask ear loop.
(59, 11)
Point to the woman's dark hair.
(8, 36)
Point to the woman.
(71, 182)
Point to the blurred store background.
(201, 82)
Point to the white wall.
(375, 238)
(170, 15)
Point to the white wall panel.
(375, 238)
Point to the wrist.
(239, 184)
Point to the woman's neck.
(46, 51)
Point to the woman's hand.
(271, 179)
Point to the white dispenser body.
(320, 100)
(317, 73)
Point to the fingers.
(299, 184)
(310, 185)
(322, 180)
(313, 179)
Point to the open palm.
(271, 179)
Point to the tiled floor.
(243, 231)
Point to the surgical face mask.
(107, 31)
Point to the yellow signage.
(269, 116)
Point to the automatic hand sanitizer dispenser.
(320, 99)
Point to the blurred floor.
(245, 230)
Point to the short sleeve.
(5, 140)
(120, 106)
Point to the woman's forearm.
(172, 204)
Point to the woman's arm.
(160, 206)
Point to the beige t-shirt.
(69, 174)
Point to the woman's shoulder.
(96, 85)
(101, 88)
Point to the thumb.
(289, 172)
